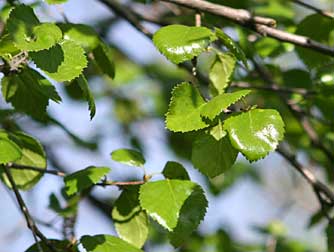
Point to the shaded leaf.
(29, 92)
(104, 59)
(255, 133)
(180, 43)
(174, 170)
(213, 157)
(84, 179)
(128, 157)
(83, 84)
(191, 214)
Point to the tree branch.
(326, 14)
(29, 220)
(255, 23)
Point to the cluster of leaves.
(220, 121)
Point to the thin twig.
(37, 169)
(29, 220)
(326, 14)
(275, 88)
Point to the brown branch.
(127, 15)
(120, 183)
(255, 23)
(29, 220)
(326, 14)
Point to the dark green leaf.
(82, 82)
(104, 59)
(174, 170)
(310, 27)
(213, 157)
(29, 92)
(191, 214)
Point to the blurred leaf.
(128, 157)
(32, 155)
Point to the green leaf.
(330, 237)
(57, 244)
(104, 59)
(184, 109)
(232, 46)
(83, 84)
(68, 61)
(106, 243)
(191, 214)
(130, 221)
(255, 133)
(83, 35)
(84, 179)
(32, 155)
(163, 200)
(9, 150)
(221, 71)
(217, 131)
(56, 1)
(213, 157)
(174, 170)
(180, 43)
(128, 157)
(27, 33)
(310, 27)
(221, 102)
(29, 92)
